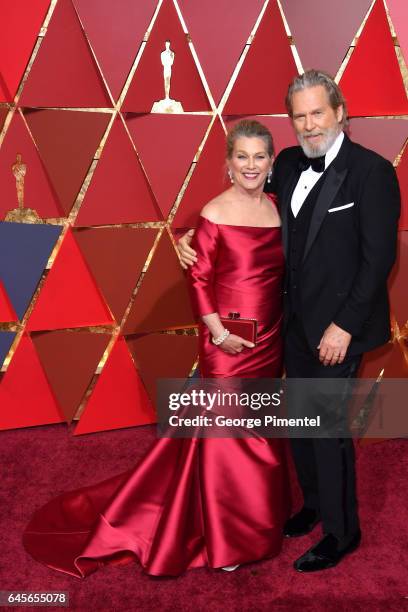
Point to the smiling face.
(316, 123)
(249, 162)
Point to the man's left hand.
(333, 345)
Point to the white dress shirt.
(309, 177)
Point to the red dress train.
(191, 502)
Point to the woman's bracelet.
(221, 338)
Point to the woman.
(198, 502)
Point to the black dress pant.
(325, 466)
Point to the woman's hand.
(235, 344)
(188, 256)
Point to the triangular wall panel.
(119, 191)
(21, 26)
(39, 193)
(116, 257)
(385, 136)
(219, 30)
(7, 313)
(399, 16)
(119, 398)
(372, 82)
(31, 403)
(3, 114)
(402, 173)
(67, 142)
(257, 90)
(176, 138)
(208, 179)
(6, 340)
(163, 356)
(162, 300)
(115, 30)
(147, 85)
(64, 72)
(398, 282)
(69, 360)
(321, 42)
(24, 253)
(70, 296)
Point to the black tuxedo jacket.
(350, 247)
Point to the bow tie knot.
(317, 163)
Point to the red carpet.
(41, 462)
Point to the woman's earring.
(269, 176)
(230, 175)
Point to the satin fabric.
(191, 502)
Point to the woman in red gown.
(195, 502)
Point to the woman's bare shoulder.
(214, 209)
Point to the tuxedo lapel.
(335, 175)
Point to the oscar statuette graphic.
(21, 214)
(167, 105)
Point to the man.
(339, 205)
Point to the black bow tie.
(317, 163)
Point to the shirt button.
(293, 286)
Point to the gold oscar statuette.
(167, 105)
(21, 214)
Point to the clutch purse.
(245, 328)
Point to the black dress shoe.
(327, 553)
(301, 523)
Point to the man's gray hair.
(314, 78)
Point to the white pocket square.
(341, 207)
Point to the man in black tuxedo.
(339, 205)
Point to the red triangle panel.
(163, 356)
(39, 193)
(7, 313)
(67, 142)
(147, 85)
(64, 72)
(70, 360)
(167, 156)
(21, 26)
(267, 70)
(70, 296)
(119, 191)
(219, 31)
(372, 83)
(385, 136)
(398, 282)
(26, 398)
(207, 180)
(116, 257)
(119, 398)
(162, 300)
(115, 31)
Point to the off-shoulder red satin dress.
(191, 502)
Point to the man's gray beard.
(330, 135)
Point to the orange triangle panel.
(70, 360)
(163, 356)
(70, 296)
(177, 138)
(64, 72)
(372, 83)
(398, 282)
(21, 26)
(119, 398)
(207, 180)
(162, 300)
(119, 191)
(67, 142)
(116, 256)
(147, 85)
(26, 398)
(269, 66)
(7, 313)
(39, 193)
(402, 173)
